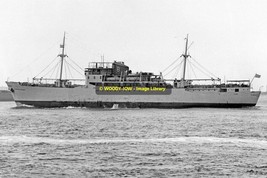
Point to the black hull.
(99, 104)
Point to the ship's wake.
(190, 140)
(23, 106)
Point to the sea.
(82, 142)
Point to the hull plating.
(88, 97)
(99, 104)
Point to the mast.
(62, 55)
(185, 55)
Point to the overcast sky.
(229, 36)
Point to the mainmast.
(185, 55)
(62, 55)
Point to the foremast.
(183, 82)
(62, 56)
(185, 55)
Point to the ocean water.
(82, 142)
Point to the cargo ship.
(109, 84)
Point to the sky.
(227, 37)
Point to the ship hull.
(88, 97)
(99, 104)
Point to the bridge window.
(223, 90)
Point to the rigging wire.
(177, 71)
(190, 45)
(55, 69)
(51, 69)
(46, 67)
(75, 63)
(205, 69)
(65, 70)
(34, 60)
(57, 66)
(190, 63)
(201, 70)
(69, 71)
(74, 68)
(171, 64)
(174, 68)
(58, 69)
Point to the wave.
(23, 107)
(195, 140)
